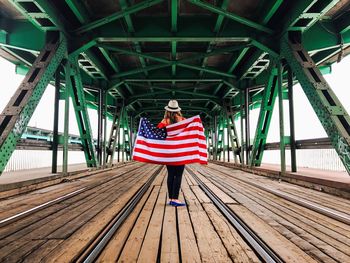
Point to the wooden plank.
(169, 247)
(150, 246)
(190, 180)
(201, 196)
(287, 231)
(38, 254)
(288, 251)
(234, 243)
(220, 193)
(116, 245)
(160, 178)
(76, 243)
(20, 253)
(134, 242)
(210, 246)
(188, 244)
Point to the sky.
(306, 122)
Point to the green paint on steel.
(121, 14)
(20, 108)
(265, 116)
(232, 16)
(81, 113)
(169, 62)
(281, 117)
(331, 113)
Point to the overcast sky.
(307, 124)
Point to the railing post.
(55, 121)
(66, 119)
(281, 118)
(291, 120)
(247, 124)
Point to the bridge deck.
(67, 228)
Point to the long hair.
(172, 116)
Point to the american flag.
(177, 144)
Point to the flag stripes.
(182, 143)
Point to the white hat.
(173, 106)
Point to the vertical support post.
(247, 124)
(55, 122)
(66, 120)
(281, 119)
(131, 135)
(215, 138)
(118, 132)
(100, 126)
(242, 128)
(104, 116)
(228, 141)
(291, 120)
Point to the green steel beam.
(173, 56)
(265, 116)
(121, 14)
(166, 61)
(333, 116)
(217, 27)
(269, 9)
(82, 15)
(81, 113)
(232, 16)
(174, 14)
(21, 107)
(79, 10)
(18, 34)
(112, 62)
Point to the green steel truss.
(114, 136)
(232, 131)
(331, 113)
(265, 116)
(21, 107)
(198, 52)
(79, 103)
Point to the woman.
(173, 115)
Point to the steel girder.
(232, 131)
(114, 135)
(80, 108)
(331, 113)
(20, 108)
(265, 115)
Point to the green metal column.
(66, 119)
(104, 116)
(19, 110)
(242, 126)
(291, 120)
(55, 121)
(329, 110)
(265, 116)
(281, 117)
(81, 113)
(114, 137)
(247, 125)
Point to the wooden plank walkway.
(157, 232)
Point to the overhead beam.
(166, 61)
(121, 14)
(232, 16)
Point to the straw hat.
(173, 106)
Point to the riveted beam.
(121, 14)
(20, 108)
(232, 16)
(331, 113)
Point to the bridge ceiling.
(199, 52)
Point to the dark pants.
(174, 180)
